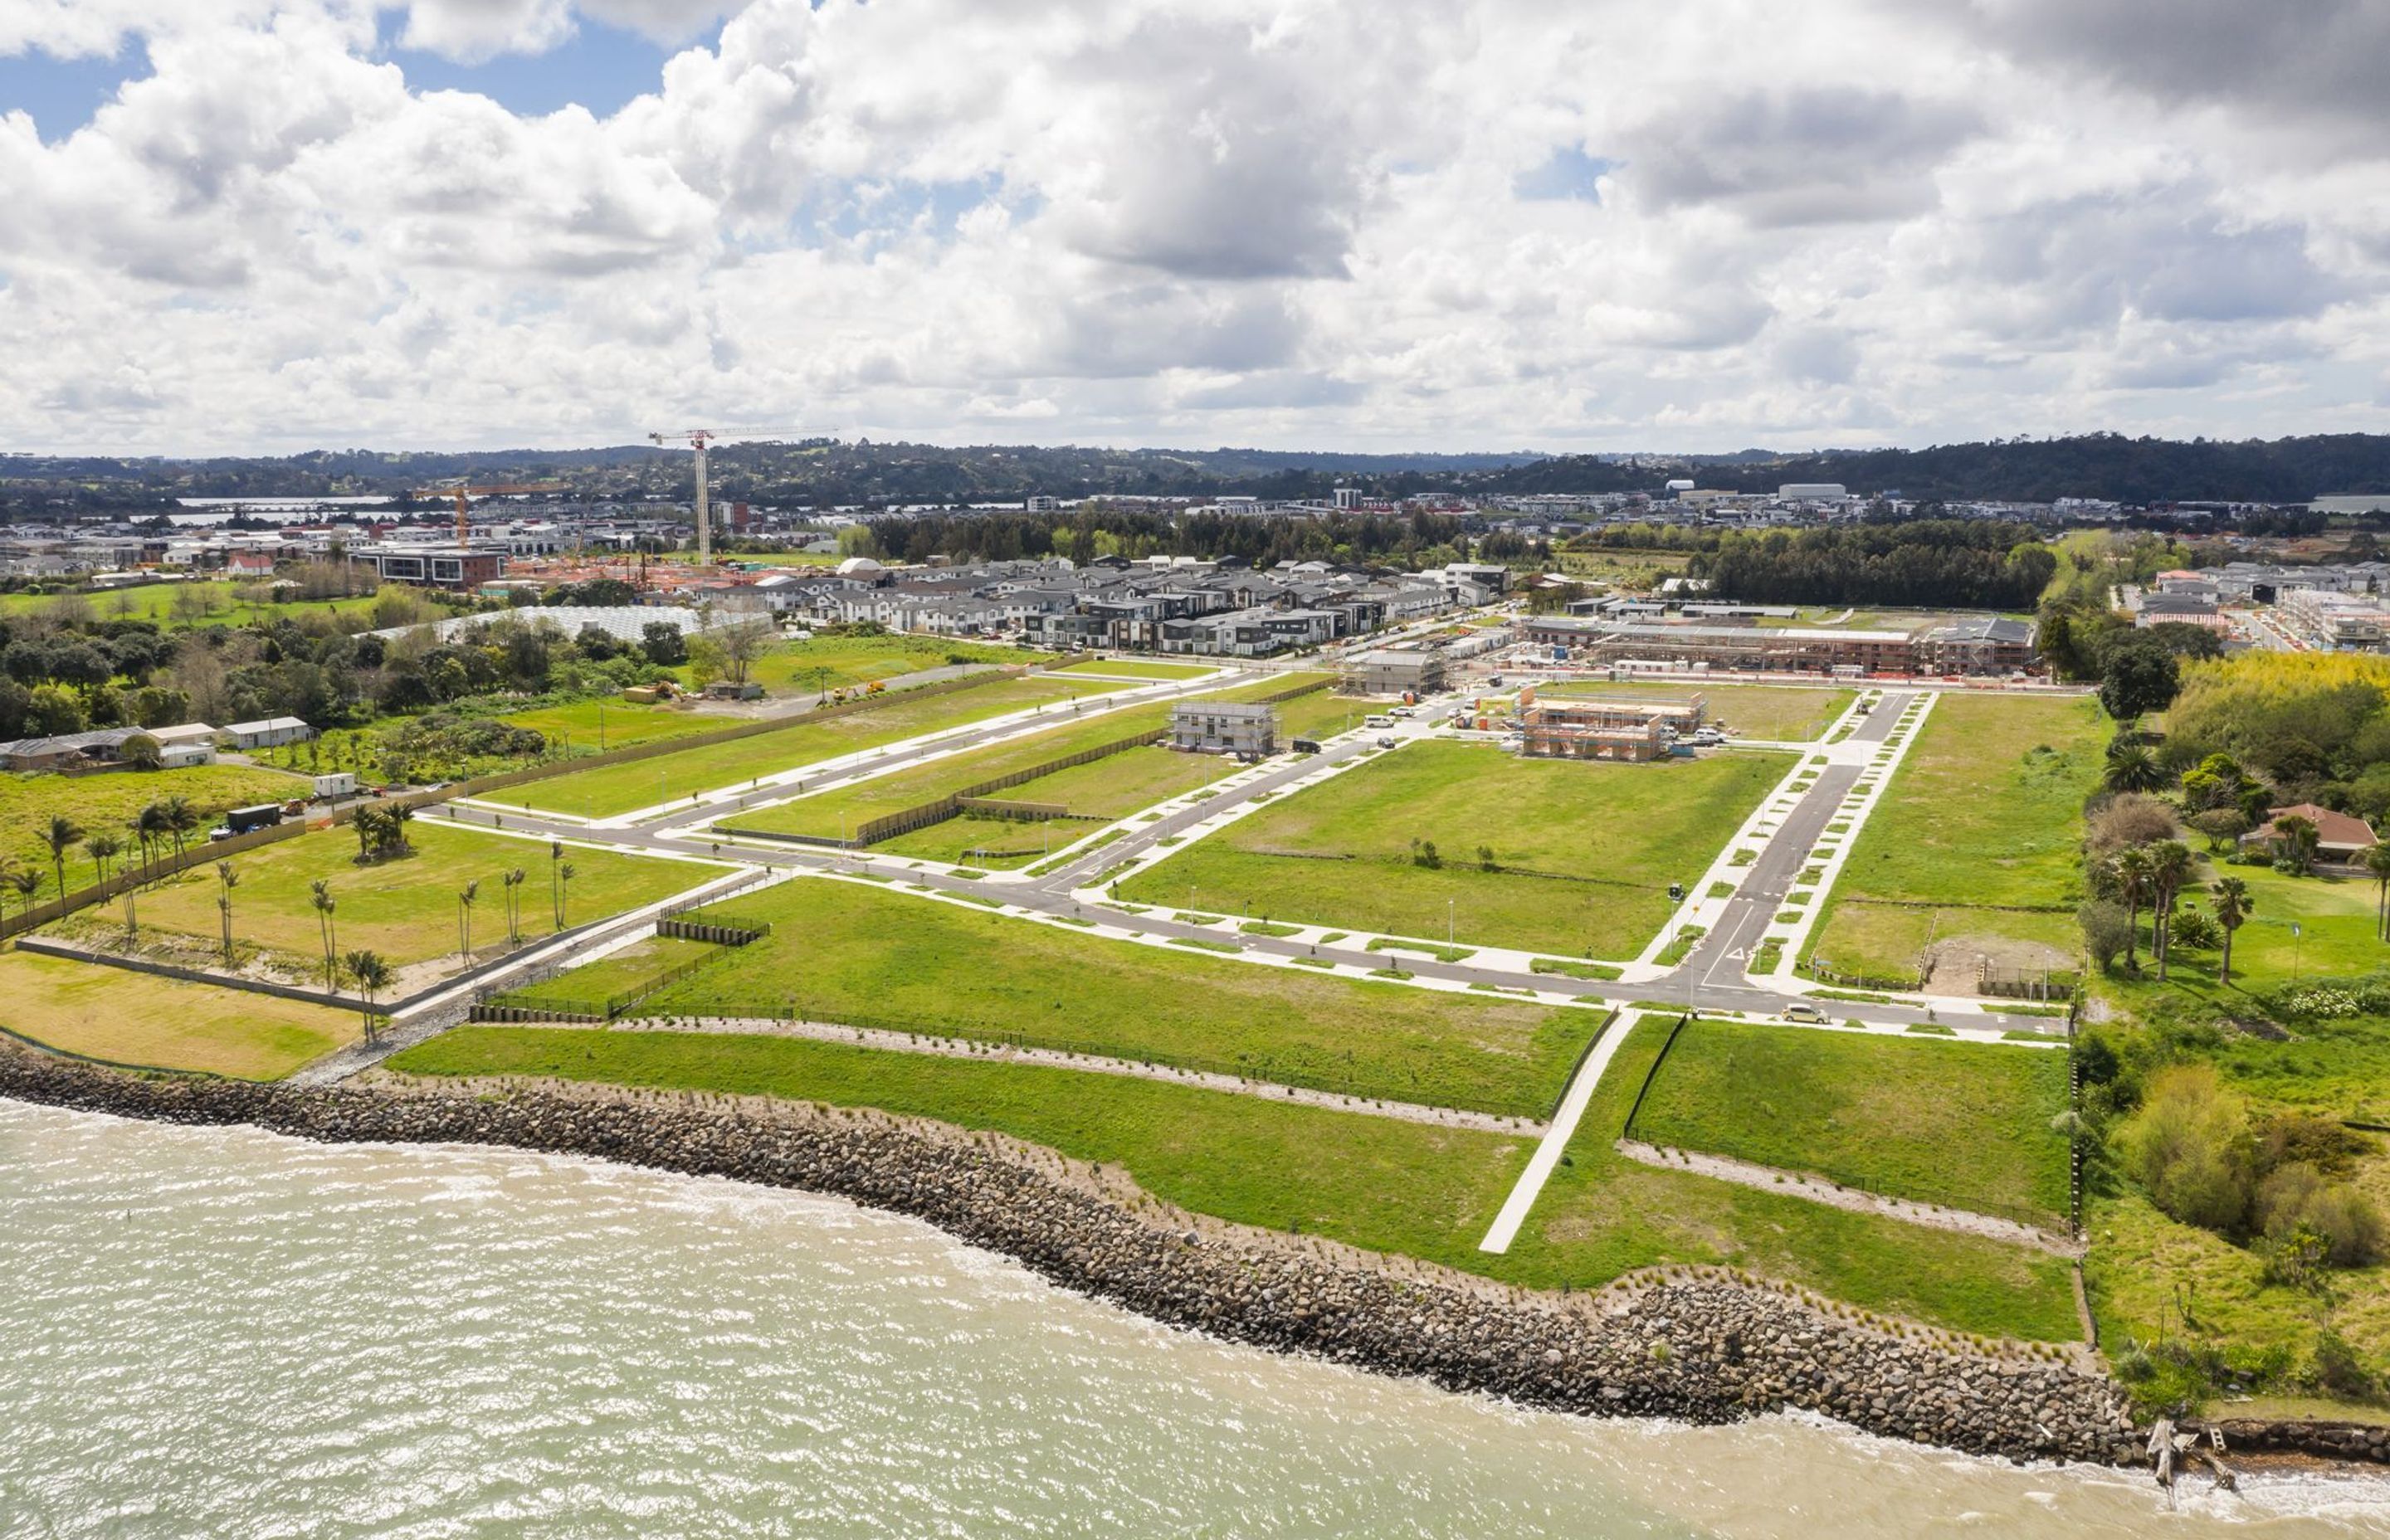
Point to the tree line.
(1922, 563)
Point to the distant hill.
(830, 472)
(2027, 471)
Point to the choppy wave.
(211, 1332)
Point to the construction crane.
(697, 439)
(463, 493)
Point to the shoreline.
(1694, 1345)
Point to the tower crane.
(697, 439)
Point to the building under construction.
(1637, 731)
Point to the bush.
(2105, 931)
(2337, 1370)
(2190, 1149)
(2297, 1199)
(2195, 928)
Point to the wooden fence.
(922, 815)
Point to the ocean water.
(224, 1333)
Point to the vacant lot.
(828, 663)
(853, 952)
(130, 1018)
(1582, 853)
(207, 603)
(1370, 1182)
(405, 909)
(611, 790)
(1137, 668)
(587, 727)
(1963, 1124)
(1751, 710)
(1983, 821)
(109, 803)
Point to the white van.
(1381, 721)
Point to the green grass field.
(598, 726)
(837, 663)
(1375, 1183)
(217, 603)
(610, 790)
(1963, 1124)
(1753, 710)
(1982, 820)
(110, 803)
(591, 985)
(129, 1018)
(1585, 851)
(857, 954)
(1139, 668)
(405, 909)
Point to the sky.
(233, 226)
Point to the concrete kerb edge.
(1783, 975)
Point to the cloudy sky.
(234, 225)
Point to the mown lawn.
(836, 662)
(609, 790)
(589, 727)
(591, 985)
(1963, 1124)
(1753, 710)
(1376, 1183)
(1127, 668)
(110, 802)
(1983, 819)
(405, 909)
(859, 954)
(129, 1018)
(1584, 853)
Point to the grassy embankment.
(1962, 1124)
(127, 1018)
(594, 727)
(1753, 710)
(1976, 837)
(1583, 852)
(801, 668)
(407, 908)
(217, 602)
(109, 803)
(1141, 668)
(864, 956)
(1375, 1183)
(610, 790)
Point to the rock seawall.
(1704, 1350)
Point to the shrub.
(2190, 1149)
(2297, 1201)
(2337, 1371)
(2105, 931)
(2195, 928)
(2131, 819)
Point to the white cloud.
(1294, 221)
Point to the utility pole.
(697, 439)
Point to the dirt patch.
(1954, 963)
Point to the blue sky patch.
(599, 67)
(64, 94)
(1571, 173)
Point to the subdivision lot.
(611, 790)
(590, 986)
(1097, 792)
(204, 603)
(1375, 1183)
(1982, 822)
(870, 957)
(127, 1018)
(827, 663)
(1962, 1124)
(109, 804)
(1776, 712)
(405, 908)
(596, 726)
(1138, 668)
(1581, 852)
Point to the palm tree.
(153, 826)
(179, 818)
(465, 897)
(27, 881)
(2131, 767)
(2170, 867)
(226, 881)
(372, 976)
(514, 881)
(2294, 838)
(2134, 871)
(2233, 905)
(60, 837)
(319, 896)
(564, 876)
(2377, 865)
(102, 848)
(554, 895)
